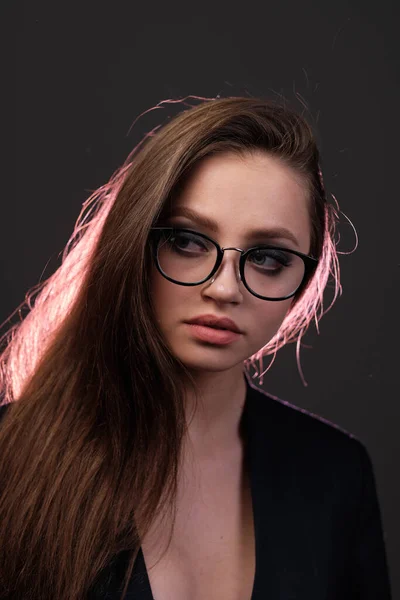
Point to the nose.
(225, 283)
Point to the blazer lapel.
(288, 512)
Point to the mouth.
(213, 335)
(215, 322)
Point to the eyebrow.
(255, 234)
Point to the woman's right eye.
(183, 240)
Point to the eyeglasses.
(187, 257)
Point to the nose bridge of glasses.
(232, 248)
(223, 254)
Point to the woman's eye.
(189, 243)
(270, 259)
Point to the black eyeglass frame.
(310, 263)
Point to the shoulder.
(309, 455)
(303, 436)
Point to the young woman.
(138, 459)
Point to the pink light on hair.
(310, 306)
(50, 301)
(27, 341)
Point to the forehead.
(243, 193)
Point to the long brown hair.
(91, 444)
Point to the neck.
(213, 426)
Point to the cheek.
(166, 296)
(268, 319)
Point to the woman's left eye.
(271, 257)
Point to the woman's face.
(239, 194)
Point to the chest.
(212, 550)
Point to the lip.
(216, 322)
(220, 337)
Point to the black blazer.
(317, 519)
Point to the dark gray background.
(85, 70)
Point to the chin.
(209, 358)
